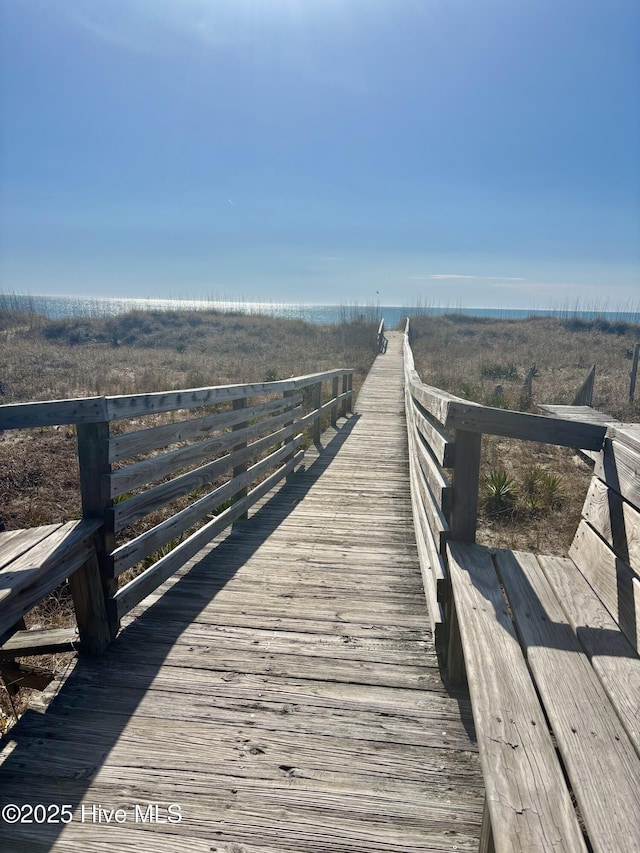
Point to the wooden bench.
(548, 646)
(33, 563)
(550, 649)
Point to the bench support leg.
(91, 613)
(455, 657)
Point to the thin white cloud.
(441, 276)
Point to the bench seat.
(555, 689)
(36, 561)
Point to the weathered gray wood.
(615, 583)
(590, 737)
(585, 414)
(319, 723)
(441, 444)
(615, 520)
(15, 543)
(438, 483)
(189, 398)
(126, 512)
(611, 655)
(619, 467)
(40, 641)
(132, 552)
(472, 417)
(87, 592)
(317, 403)
(25, 415)
(95, 469)
(334, 406)
(584, 394)
(147, 471)
(464, 507)
(345, 396)
(634, 371)
(145, 440)
(38, 571)
(527, 796)
(137, 589)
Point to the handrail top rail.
(86, 410)
(456, 413)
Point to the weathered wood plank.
(40, 641)
(472, 417)
(439, 442)
(615, 520)
(167, 401)
(527, 796)
(123, 514)
(147, 471)
(619, 467)
(466, 475)
(26, 415)
(612, 579)
(44, 567)
(590, 737)
(611, 655)
(145, 440)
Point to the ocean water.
(55, 307)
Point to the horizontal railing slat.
(137, 549)
(142, 473)
(118, 407)
(441, 444)
(125, 513)
(144, 404)
(473, 417)
(145, 440)
(140, 587)
(26, 415)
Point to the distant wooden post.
(466, 475)
(93, 593)
(289, 440)
(634, 372)
(334, 408)
(528, 382)
(317, 402)
(243, 466)
(584, 394)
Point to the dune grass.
(531, 494)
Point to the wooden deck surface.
(284, 693)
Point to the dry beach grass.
(540, 488)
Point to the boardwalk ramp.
(282, 695)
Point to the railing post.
(94, 586)
(334, 408)
(317, 402)
(289, 440)
(634, 371)
(350, 391)
(466, 476)
(345, 386)
(462, 527)
(243, 466)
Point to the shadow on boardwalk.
(285, 691)
(53, 758)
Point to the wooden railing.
(249, 435)
(382, 341)
(445, 436)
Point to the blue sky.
(468, 152)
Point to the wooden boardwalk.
(284, 693)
